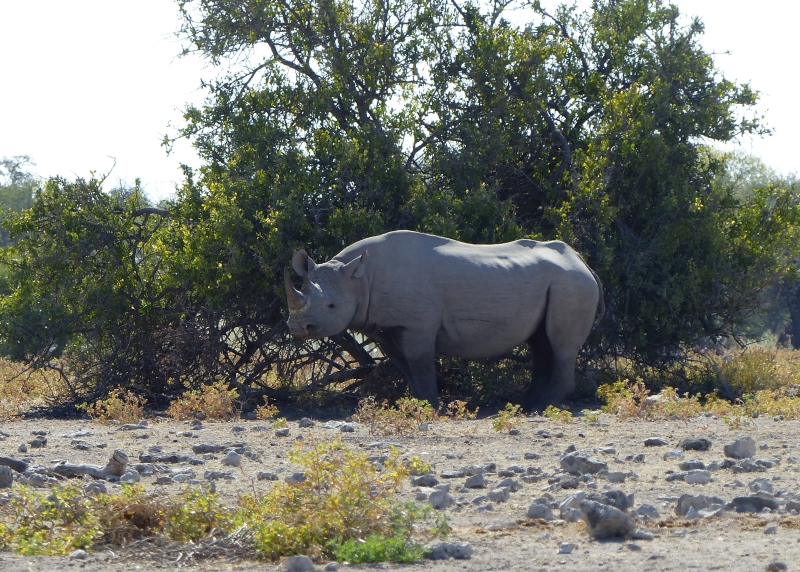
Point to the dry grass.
(22, 389)
(212, 402)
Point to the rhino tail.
(601, 304)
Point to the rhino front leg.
(420, 356)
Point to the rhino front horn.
(295, 298)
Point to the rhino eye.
(331, 306)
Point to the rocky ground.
(521, 502)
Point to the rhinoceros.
(419, 296)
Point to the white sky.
(87, 80)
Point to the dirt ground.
(502, 538)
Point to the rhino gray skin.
(419, 296)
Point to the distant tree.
(17, 186)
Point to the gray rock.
(776, 567)
(541, 509)
(6, 477)
(565, 481)
(283, 432)
(695, 444)
(687, 501)
(500, 494)
(456, 474)
(232, 459)
(641, 535)
(305, 422)
(298, 564)
(445, 550)
(617, 499)
(579, 463)
(744, 448)
(424, 481)
(441, 500)
(567, 548)
(532, 456)
(747, 466)
(476, 482)
(168, 480)
(772, 529)
(753, 503)
(79, 554)
(347, 428)
(760, 484)
(217, 475)
(691, 465)
(648, 511)
(95, 488)
(604, 521)
(331, 567)
(793, 505)
(295, 478)
(669, 455)
(697, 477)
(23, 448)
(616, 476)
(510, 484)
(130, 476)
(655, 442)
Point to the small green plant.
(120, 405)
(556, 414)
(507, 418)
(266, 411)
(377, 548)
(280, 423)
(214, 401)
(590, 416)
(417, 466)
(458, 410)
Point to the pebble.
(445, 550)
(424, 481)
(500, 494)
(776, 567)
(691, 464)
(295, 478)
(347, 428)
(331, 567)
(476, 482)
(655, 442)
(441, 500)
(305, 422)
(77, 555)
(298, 564)
(580, 463)
(698, 477)
(282, 432)
(6, 477)
(567, 548)
(772, 529)
(753, 503)
(695, 444)
(541, 509)
(603, 521)
(673, 455)
(744, 448)
(232, 459)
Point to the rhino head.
(328, 300)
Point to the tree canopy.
(332, 120)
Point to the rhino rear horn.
(295, 298)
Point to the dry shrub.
(756, 368)
(266, 411)
(213, 402)
(121, 406)
(458, 410)
(507, 418)
(22, 389)
(405, 418)
(66, 518)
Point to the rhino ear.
(356, 267)
(302, 263)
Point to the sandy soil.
(502, 538)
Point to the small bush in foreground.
(214, 402)
(121, 406)
(343, 497)
(377, 548)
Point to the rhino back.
(478, 300)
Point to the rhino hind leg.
(542, 362)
